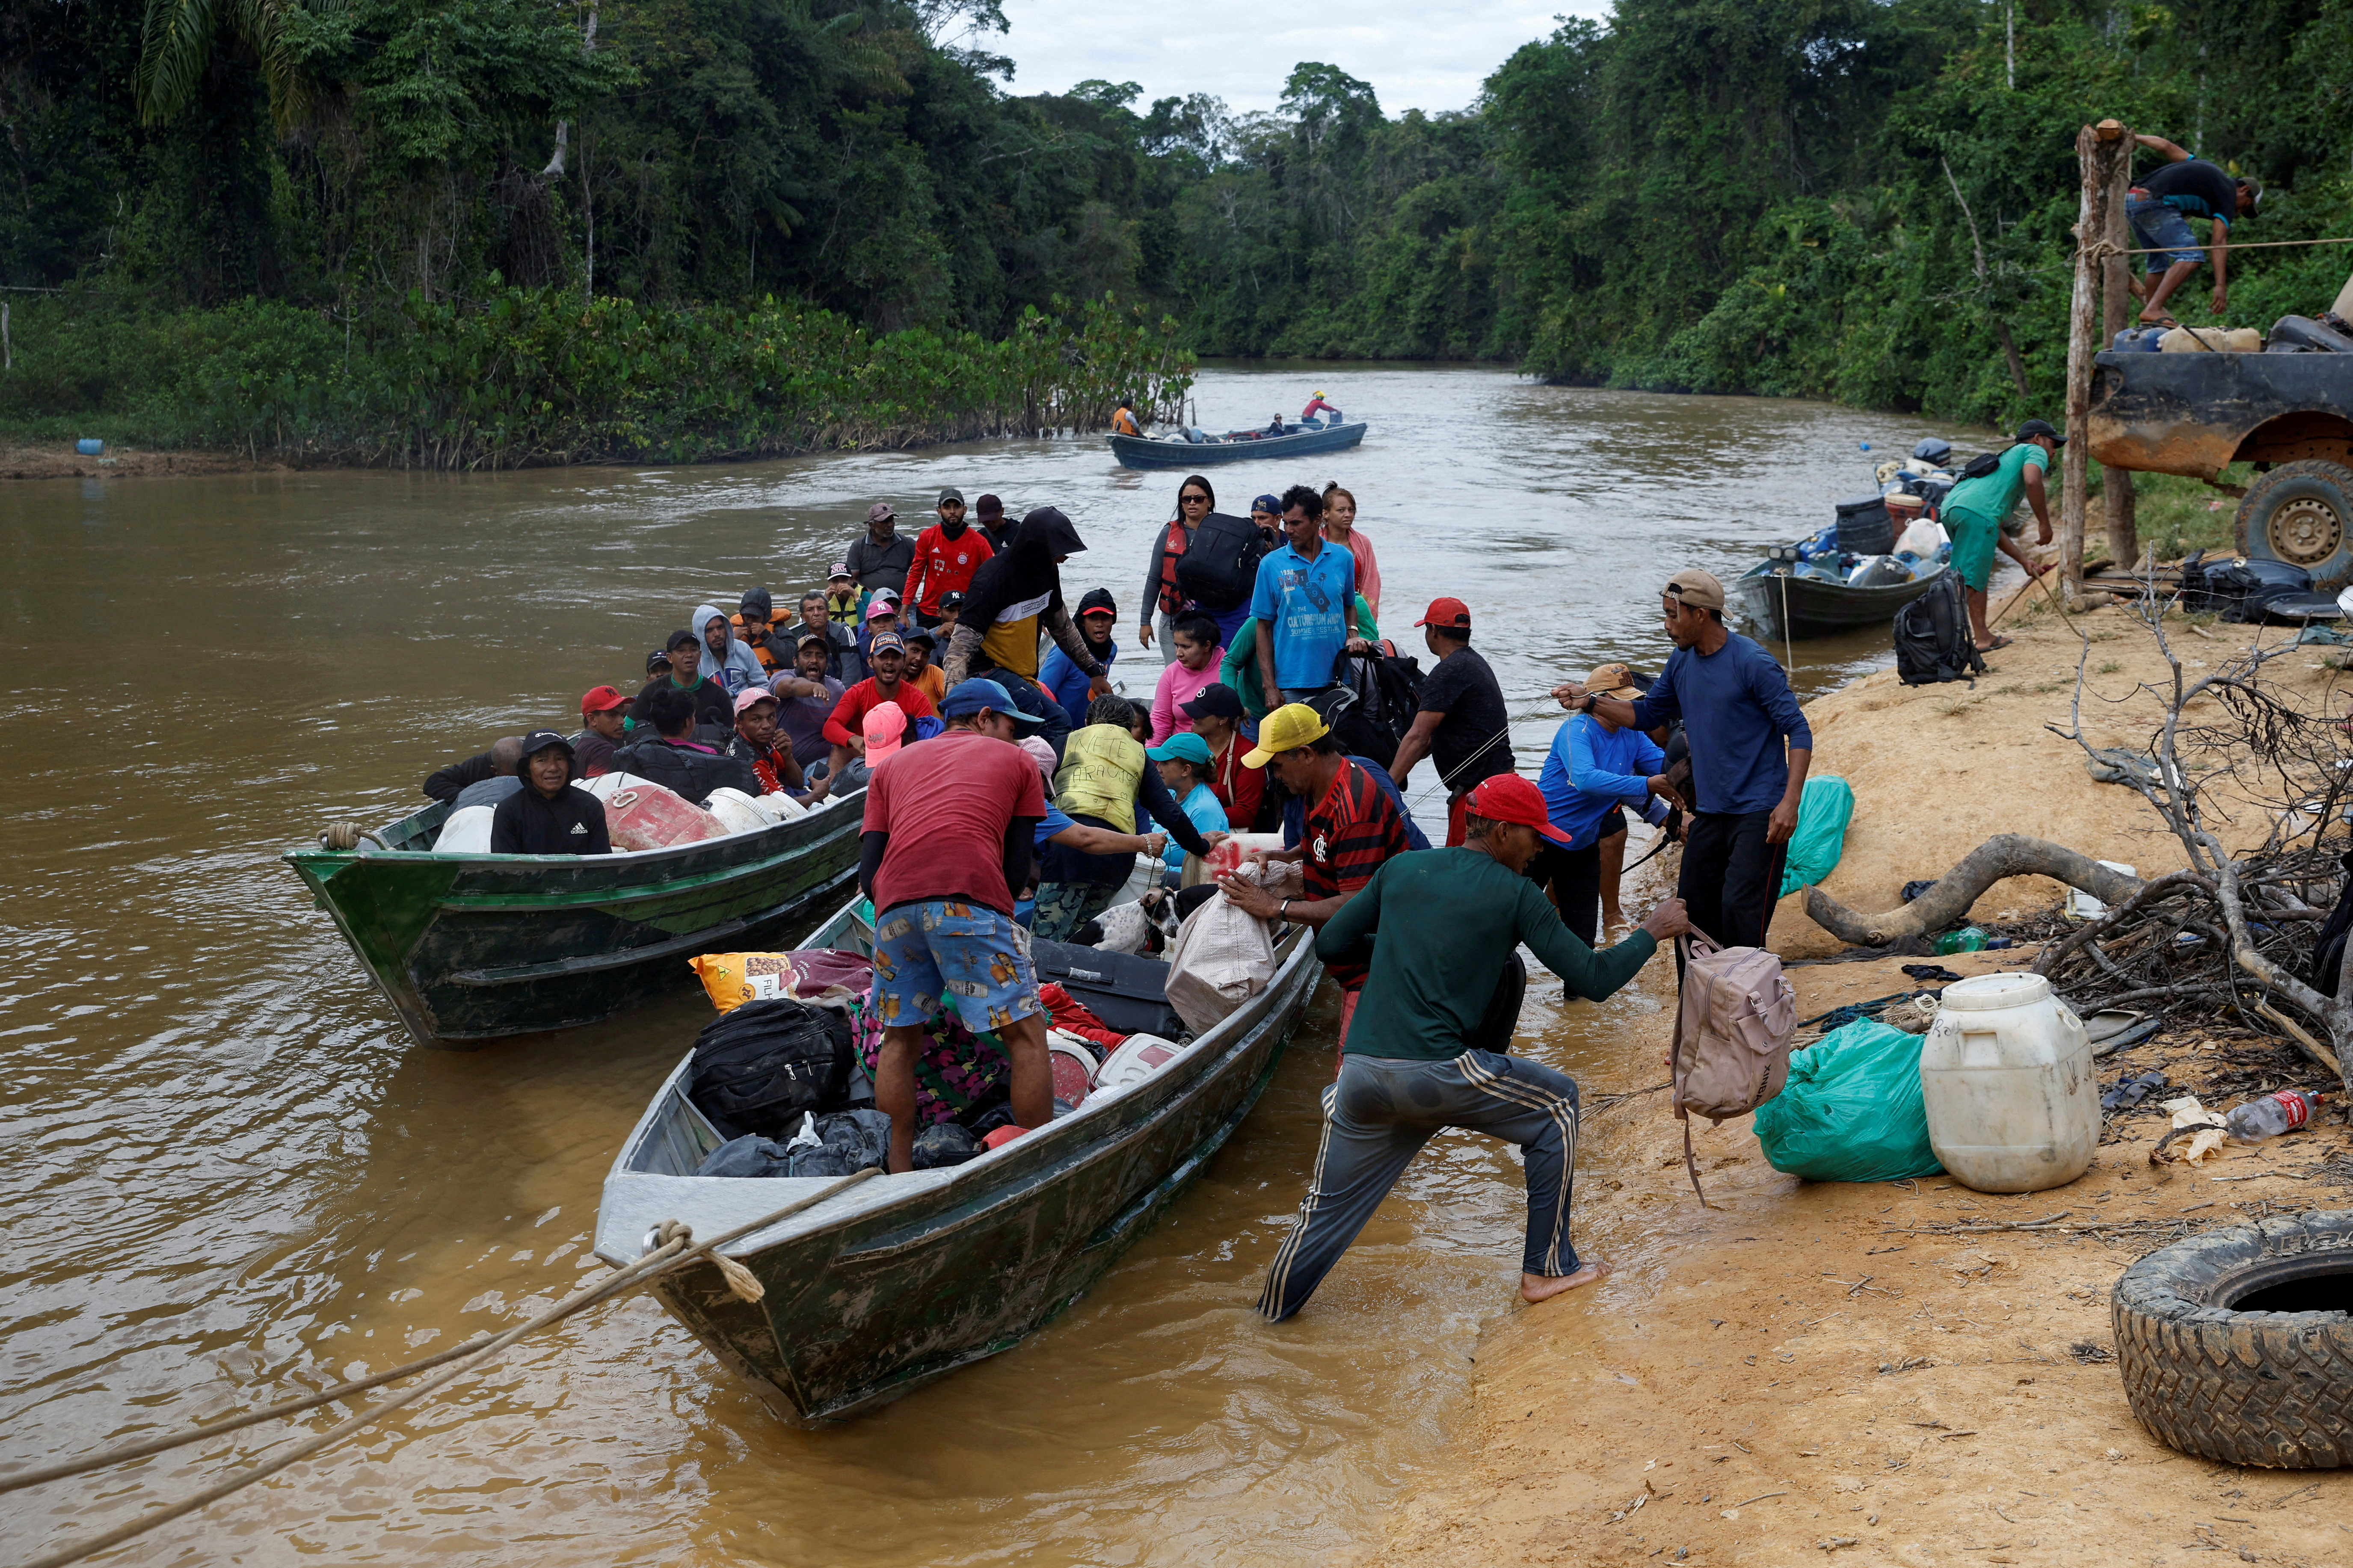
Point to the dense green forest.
(507, 230)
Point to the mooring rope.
(675, 1247)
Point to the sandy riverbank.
(1805, 1370)
(59, 460)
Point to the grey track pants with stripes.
(1376, 1120)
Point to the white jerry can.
(2006, 1079)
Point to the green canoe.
(471, 947)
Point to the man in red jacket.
(846, 727)
(946, 555)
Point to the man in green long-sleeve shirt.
(1454, 917)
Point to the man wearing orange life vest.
(1123, 420)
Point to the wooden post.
(2091, 220)
(2119, 308)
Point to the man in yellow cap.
(1349, 832)
(1750, 748)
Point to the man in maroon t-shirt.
(947, 838)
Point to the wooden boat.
(471, 947)
(903, 1279)
(1787, 599)
(1234, 447)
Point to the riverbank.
(59, 460)
(1805, 1367)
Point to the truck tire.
(2237, 1345)
(2301, 513)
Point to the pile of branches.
(2231, 933)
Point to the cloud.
(1417, 55)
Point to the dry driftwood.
(2004, 855)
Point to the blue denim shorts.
(2165, 228)
(948, 952)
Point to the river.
(231, 1180)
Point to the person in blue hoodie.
(726, 657)
(1596, 766)
(1098, 613)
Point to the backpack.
(761, 1066)
(1932, 637)
(1219, 570)
(1388, 692)
(1733, 1026)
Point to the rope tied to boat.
(675, 1248)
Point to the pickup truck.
(2290, 414)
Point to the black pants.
(1574, 878)
(1731, 876)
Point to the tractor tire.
(2237, 1345)
(2301, 513)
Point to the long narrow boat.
(468, 948)
(1809, 599)
(1236, 446)
(904, 1278)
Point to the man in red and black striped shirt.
(1351, 830)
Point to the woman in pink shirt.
(1340, 528)
(1195, 666)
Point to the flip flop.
(2163, 323)
(1996, 646)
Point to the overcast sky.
(1418, 54)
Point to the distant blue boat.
(1236, 446)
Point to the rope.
(676, 1248)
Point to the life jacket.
(766, 649)
(1102, 765)
(1122, 422)
(1172, 597)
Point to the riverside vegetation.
(493, 230)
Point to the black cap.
(1215, 700)
(2033, 428)
(1099, 599)
(917, 634)
(756, 604)
(951, 600)
(539, 741)
(657, 662)
(682, 638)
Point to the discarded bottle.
(1968, 939)
(2271, 1115)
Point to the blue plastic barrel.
(90, 445)
(2137, 340)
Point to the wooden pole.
(2118, 309)
(2090, 219)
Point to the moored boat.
(1789, 599)
(1235, 446)
(899, 1279)
(468, 948)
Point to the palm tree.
(177, 45)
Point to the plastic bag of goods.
(1923, 539)
(1139, 1058)
(736, 812)
(1823, 812)
(467, 832)
(649, 816)
(1852, 1109)
(1222, 957)
(823, 975)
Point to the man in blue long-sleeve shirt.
(1594, 767)
(1750, 747)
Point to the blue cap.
(1183, 746)
(1267, 503)
(970, 697)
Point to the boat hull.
(906, 1279)
(1139, 452)
(470, 947)
(1818, 609)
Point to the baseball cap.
(951, 600)
(603, 698)
(841, 570)
(881, 512)
(950, 494)
(1612, 681)
(1451, 613)
(819, 638)
(1696, 588)
(989, 508)
(880, 607)
(539, 741)
(913, 634)
(682, 638)
(2033, 428)
(969, 696)
(1184, 746)
(1267, 503)
(1508, 797)
(750, 695)
(1288, 728)
(1036, 749)
(1098, 601)
(885, 642)
(657, 662)
(1215, 700)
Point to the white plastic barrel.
(2006, 1078)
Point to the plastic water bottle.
(1968, 939)
(2271, 1115)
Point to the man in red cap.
(1462, 726)
(1406, 1068)
(602, 709)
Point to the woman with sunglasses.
(1194, 500)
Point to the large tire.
(2301, 513)
(2262, 1387)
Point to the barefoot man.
(1447, 919)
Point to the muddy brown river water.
(230, 1179)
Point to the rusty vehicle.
(2290, 414)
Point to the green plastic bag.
(1851, 1110)
(1814, 849)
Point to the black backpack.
(1219, 570)
(758, 1068)
(1388, 692)
(1932, 637)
